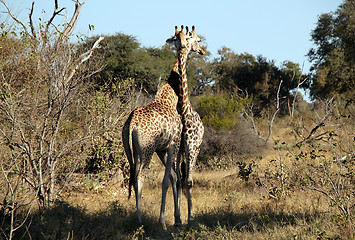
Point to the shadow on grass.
(64, 221)
(248, 221)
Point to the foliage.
(321, 161)
(219, 111)
(199, 71)
(334, 55)
(255, 75)
(105, 151)
(329, 158)
(225, 135)
(124, 58)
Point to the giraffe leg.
(178, 190)
(188, 183)
(176, 184)
(187, 188)
(138, 185)
(141, 167)
(165, 186)
(137, 178)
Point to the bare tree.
(326, 150)
(42, 80)
(299, 84)
(320, 130)
(248, 115)
(12, 203)
(333, 179)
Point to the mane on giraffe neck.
(170, 90)
(173, 79)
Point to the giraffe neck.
(184, 101)
(176, 66)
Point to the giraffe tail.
(132, 164)
(133, 138)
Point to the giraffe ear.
(171, 40)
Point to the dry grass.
(226, 207)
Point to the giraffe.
(193, 130)
(156, 127)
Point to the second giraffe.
(193, 130)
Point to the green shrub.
(221, 111)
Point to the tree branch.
(319, 125)
(31, 22)
(15, 18)
(56, 11)
(296, 92)
(71, 25)
(83, 58)
(275, 113)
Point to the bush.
(222, 148)
(105, 151)
(221, 111)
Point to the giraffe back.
(158, 123)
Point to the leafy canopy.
(333, 56)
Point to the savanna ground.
(260, 205)
(226, 207)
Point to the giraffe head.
(189, 41)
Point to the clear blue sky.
(277, 29)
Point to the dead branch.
(33, 129)
(299, 83)
(296, 93)
(275, 113)
(248, 112)
(83, 58)
(56, 11)
(15, 18)
(311, 136)
(13, 204)
(71, 25)
(31, 22)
